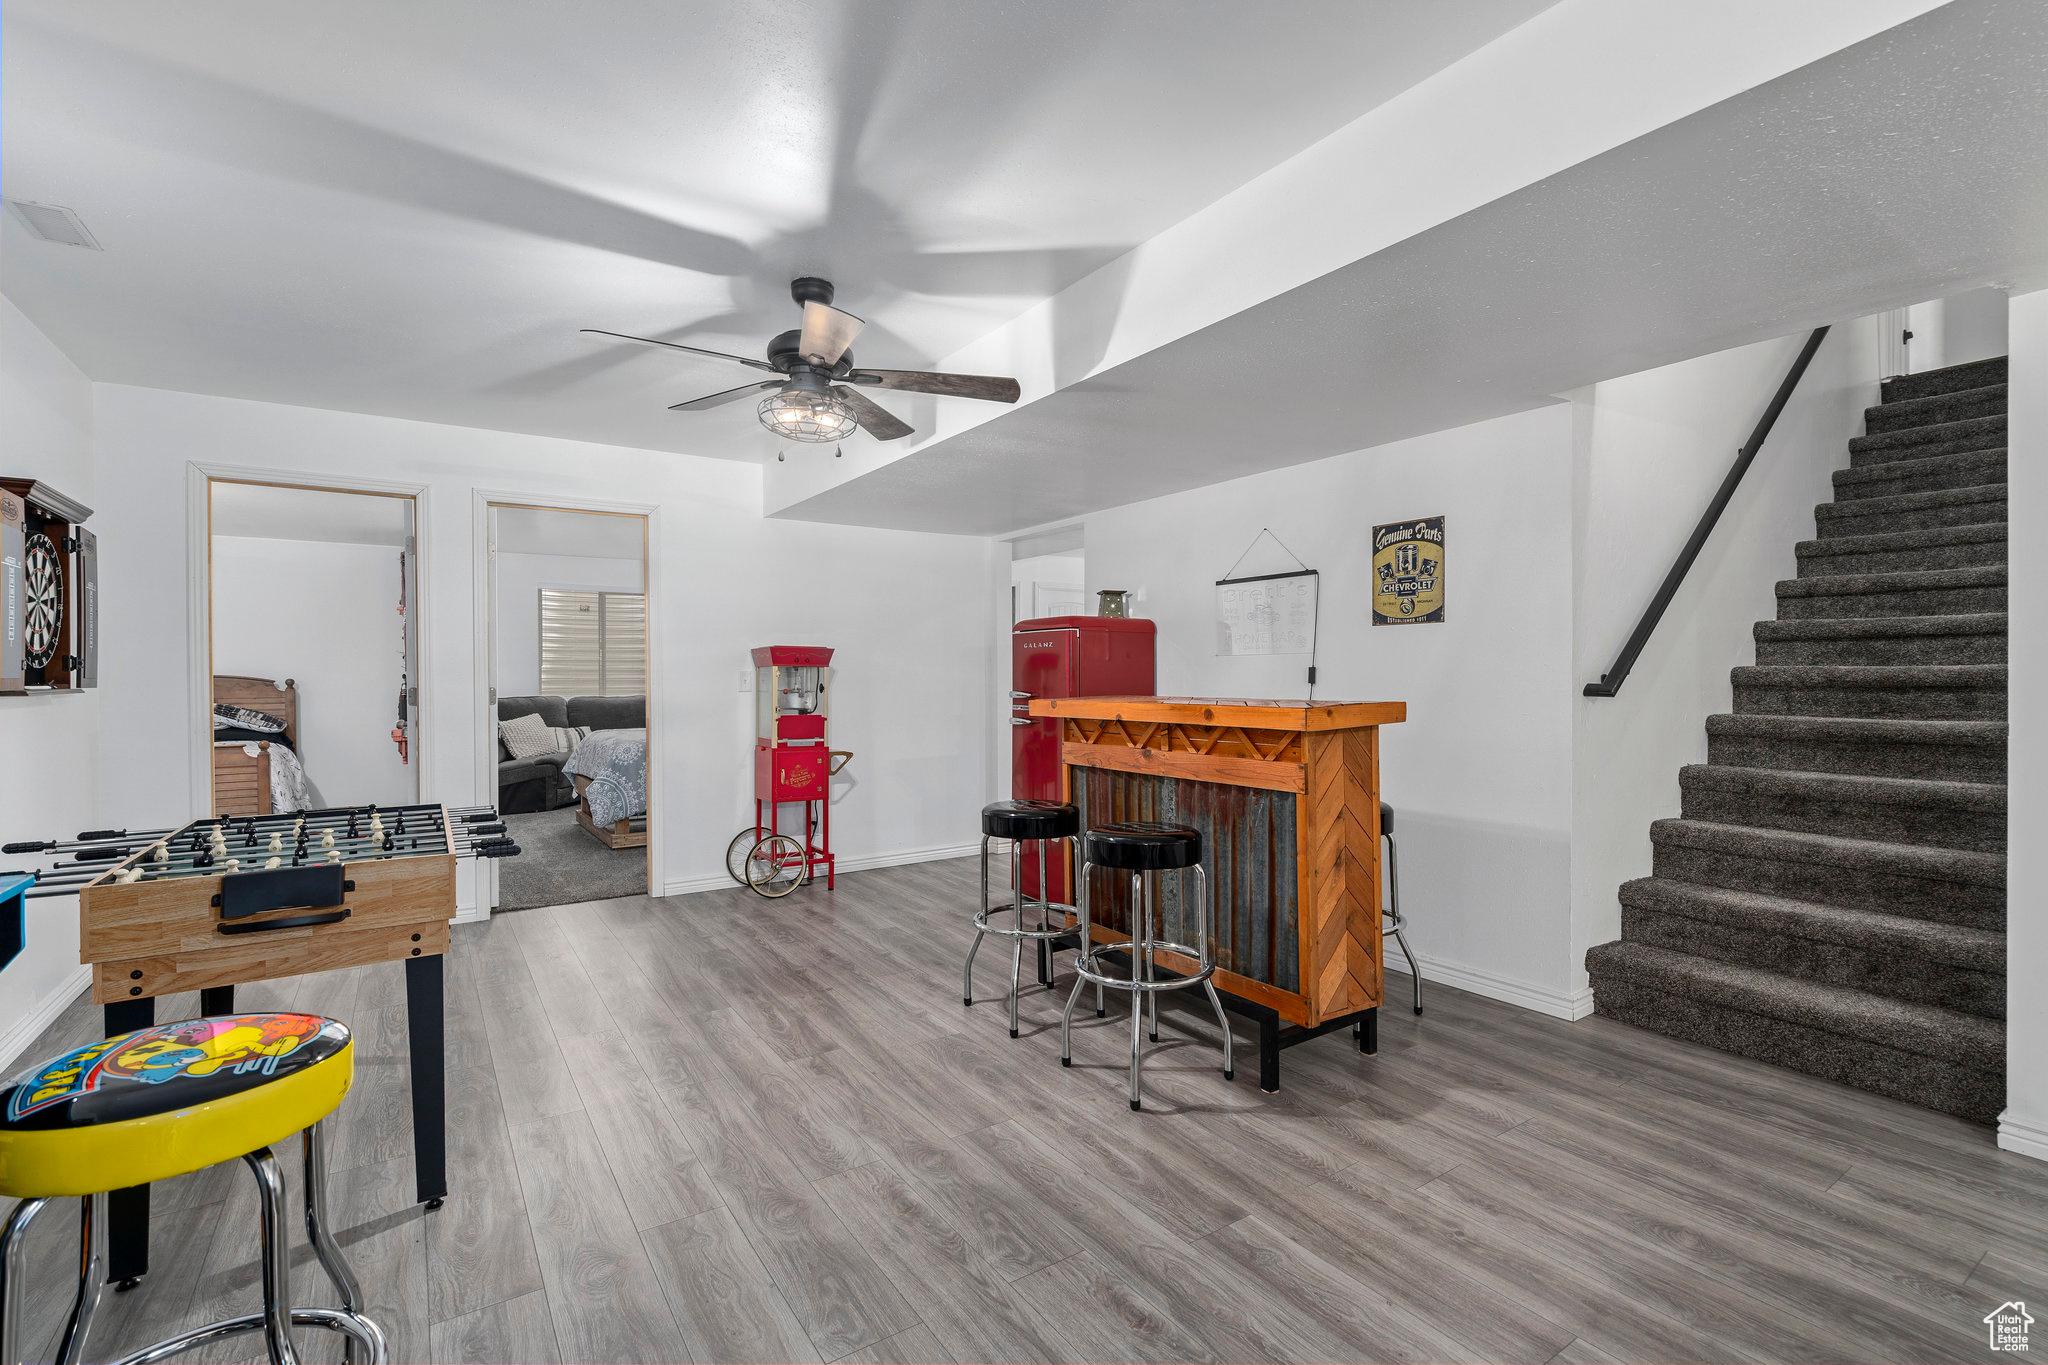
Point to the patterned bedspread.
(290, 788)
(615, 761)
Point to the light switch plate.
(746, 679)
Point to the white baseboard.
(31, 1025)
(1571, 1005)
(2028, 1139)
(683, 886)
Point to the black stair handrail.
(1611, 681)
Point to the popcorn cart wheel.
(773, 864)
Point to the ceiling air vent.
(54, 224)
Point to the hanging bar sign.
(1408, 572)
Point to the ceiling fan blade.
(712, 400)
(875, 420)
(990, 387)
(827, 333)
(678, 346)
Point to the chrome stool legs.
(1017, 933)
(365, 1340)
(1143, 982)
(1394, 920)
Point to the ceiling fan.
(814, 369)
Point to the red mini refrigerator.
(1066, 656)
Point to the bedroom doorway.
(567, 696)
(313, 644)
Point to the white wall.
(323, 613)
(1480, 771)
(2024, 1125)
(1956, 330)
(49, 745)
(520, 579)
(1650, 449)
(911, 685)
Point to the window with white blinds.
(592, 644)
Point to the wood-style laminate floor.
(724, 1128)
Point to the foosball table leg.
(128, 1210)
(423, 1022)
(215, 1000)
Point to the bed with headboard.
(241, 771)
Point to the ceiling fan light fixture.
(804, 415)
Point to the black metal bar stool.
(1022, 822)
(1139, 847)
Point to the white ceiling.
(272, 512)
(588, 535)
(1907, 167)
(410, 209)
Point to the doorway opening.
(1048, 584)
(568, 691)
(313, 642)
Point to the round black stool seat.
(1143, 846)
(1386, 818)
(1030, 820)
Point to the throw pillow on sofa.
(526, 736)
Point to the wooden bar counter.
(1287, 797)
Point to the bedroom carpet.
(559, 864)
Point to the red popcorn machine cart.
(793, 766)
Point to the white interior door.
(491, 671)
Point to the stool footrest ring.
(1085, 967)
(1072, 927)
(334, 1319)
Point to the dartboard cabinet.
(49, 591)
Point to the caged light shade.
(805, 415)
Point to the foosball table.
(232, 899)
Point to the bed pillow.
(242, 718)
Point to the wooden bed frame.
(619, 835)
(241, 780)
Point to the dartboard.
(44, 600)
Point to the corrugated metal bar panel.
(1249, 852)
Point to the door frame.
(482, 500)
(199, 480)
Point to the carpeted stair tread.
(1883, 641)
(1970, 469)
(1971, 374)
(1961, 866)
(1893, 580)
(1961, 750)
(1916, 443)
(1906, 810)
(1975, 506)
(1911, 691)
(1952, 945)
(1938, 547)
(1864, 675)
(1926, 1030)
(1980, 797)
(1935, 408)
(1882, 627)
(1969, 589)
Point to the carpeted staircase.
(1832, 895)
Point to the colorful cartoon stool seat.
(161, 1102)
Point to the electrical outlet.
(746, 680)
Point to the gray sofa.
(534, 784)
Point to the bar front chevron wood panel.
(1144, 757)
